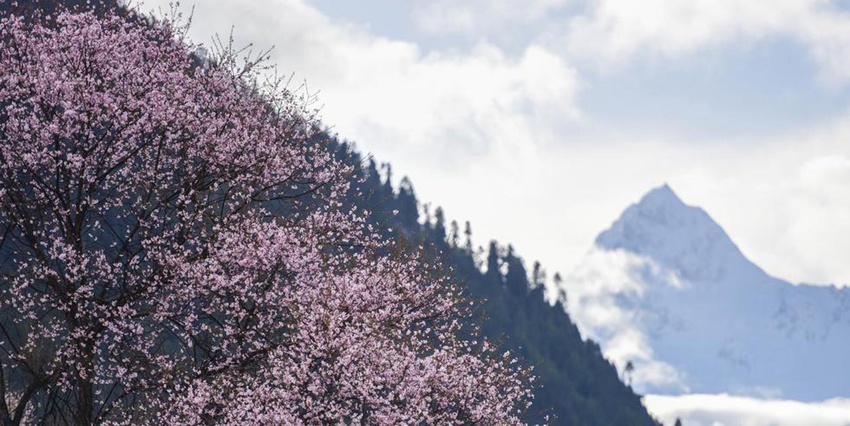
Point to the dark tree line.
(576, 384)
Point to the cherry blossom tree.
(174, 249)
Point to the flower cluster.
(174, 249)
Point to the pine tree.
(408, 209)
(440, 225)
(453, 234)
(467, 231)
(538, 275)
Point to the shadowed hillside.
(577, 385)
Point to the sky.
(540, 121)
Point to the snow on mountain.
(666, 289)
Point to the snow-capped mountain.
(666, 289)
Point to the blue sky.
(541, 120)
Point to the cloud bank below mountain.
(727, 410)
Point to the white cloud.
(477, 16)
(614, 31)
(405, 104)
(618, 29)
(783, 200)
(596, 291)
(722, 409)
(610, 32)
(468, 127)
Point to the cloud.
(616, 31)
(469, 127)
(605, 33)
(620, 29)
(400, 101)
(818, 210)
(598, 292)
(782, 200)
(723, 409)
(479, 16)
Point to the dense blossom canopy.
(174, 249)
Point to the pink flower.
(174, 237)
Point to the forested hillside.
(576, 385)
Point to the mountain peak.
(661, 226)
(662, 194)
(666, 290)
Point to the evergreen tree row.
(576, 384)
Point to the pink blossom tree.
(174, 250)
